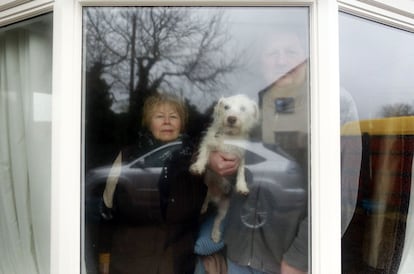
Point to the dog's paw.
(216, 235)
(242, 188)
(197, 169)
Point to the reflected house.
(284, 112)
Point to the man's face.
(283, 60)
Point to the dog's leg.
(202, 158)
(241, 185)
(204, 207)
(225, 186)
(222, 207)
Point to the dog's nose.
(231, 120)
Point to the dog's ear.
(218, 107)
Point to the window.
(70, 96)
(204, 57)
(25, 148)
(377, 118)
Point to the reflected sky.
(248, 30)
(376, 61)
(377, 64)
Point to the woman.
(164, 119)
(155, 235)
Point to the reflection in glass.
(377, 147)
(196, 55)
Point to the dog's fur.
(233, 119)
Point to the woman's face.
(165, 123)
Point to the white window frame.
(399, 14)
(325, 149)
(15, 11)
(7, 4)
(325, 196)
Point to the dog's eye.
(243, 108)
(226, 107)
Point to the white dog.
(233, 119)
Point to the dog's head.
(236, 115)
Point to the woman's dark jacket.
(154, 232)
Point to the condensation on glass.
(377, 142)
(25, 146)
(142, 204)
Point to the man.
(279, 244)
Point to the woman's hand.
(224, 164)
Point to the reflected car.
(276, 183)
(137, 190)
(261, 226)
(137, 196)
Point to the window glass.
(377, 119)
(25, 145)
(231, 79)
(157, 158)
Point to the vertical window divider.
(325, 143)
(66, 138)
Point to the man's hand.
(224, 164)
(287, 269)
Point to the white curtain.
(25, 146)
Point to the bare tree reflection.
(397, 110)
(131, 52)
(142, 49)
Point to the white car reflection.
(139, 184)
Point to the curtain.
(25, 146)
(407, 261)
